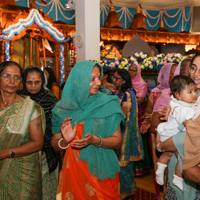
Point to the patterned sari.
(76, 182)
(132, 147)
(20, 178)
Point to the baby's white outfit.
(180, 111)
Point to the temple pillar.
(87, 36)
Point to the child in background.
(183, 106)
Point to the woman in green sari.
(21, 138)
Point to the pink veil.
(139, 84)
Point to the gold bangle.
(99, 145)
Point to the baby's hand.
(164, 113)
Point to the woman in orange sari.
(90, 167)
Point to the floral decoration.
(146, 63)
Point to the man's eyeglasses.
(116, 78)
(10, 76)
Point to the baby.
(183, 106)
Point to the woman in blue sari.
(132, 147)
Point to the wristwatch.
(12, 153)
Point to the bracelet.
(99, 142)
(62, 147)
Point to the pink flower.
(170, 55)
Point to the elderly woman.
(33, 86)
(21, 133)
(90, 166)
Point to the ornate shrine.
(23, 33)
(118, 34)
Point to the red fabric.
(143, 12)
(163, 14)
(77, 182)
(43, 1)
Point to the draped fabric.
(20, 178)
(163, 78)
(178, 69)
(191, 149)
(176, 20)
(76, 181)
(139, 84)
(163, 87)
(101, 114)
(132, 147)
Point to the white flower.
(132, 58)
(159, 56)
(177, 55)
(141, 54)
(126, 68)
(146, 64)
(151, 66)
(136, 54)
(136, 62)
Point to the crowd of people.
(94, 139)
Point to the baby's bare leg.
(178, 180)
(165, 157)
(177, 168)
(161, 165)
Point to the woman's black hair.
(184, 63)
(30, 69)
(5, 64)
(196, 55)
(179, 83)
(52, 78)
(106, 71)
(125, 76)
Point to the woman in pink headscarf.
(164, 77)
(140, 167)
(140, 87)
(163, 80)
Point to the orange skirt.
(76, 183)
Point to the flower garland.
(146, 63)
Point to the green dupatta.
(101, 114)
